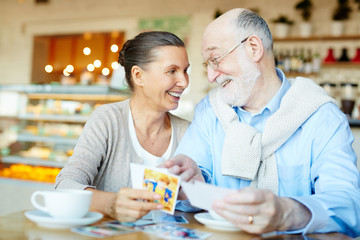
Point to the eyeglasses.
(214, 62)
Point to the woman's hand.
(132, 204)
(127, 205)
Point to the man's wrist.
(295, 215)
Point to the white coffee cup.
(216, 216)
(64, 203)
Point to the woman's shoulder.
(116, 107)
(110, 113)
(179, 125)
(178, 121)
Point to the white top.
(149, 159)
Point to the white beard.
(238, 91)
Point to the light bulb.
(66, 73)
(87, 51)
(114, 48)
(90, 67)
(105, 71)
(114, 65)
(69, 68)
(97, 63)
(49, 68)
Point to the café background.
(23, 20)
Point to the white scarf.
(249, 154)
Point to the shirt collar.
(274, 104)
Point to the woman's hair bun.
(121, 59)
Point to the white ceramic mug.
(64, 203)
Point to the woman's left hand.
(132, 204)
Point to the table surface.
(16, 226)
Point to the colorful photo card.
(140, 222)
(164, 184)
(102, 231)
(174, 219)
(171, 231)
(157, 180)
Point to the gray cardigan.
(104, 151)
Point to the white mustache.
(223, 78)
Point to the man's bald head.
(237, 24)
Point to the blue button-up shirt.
(316, 165)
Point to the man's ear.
(256, 48)
(137, 75)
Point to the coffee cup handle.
(35, 204)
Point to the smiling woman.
(139, 130)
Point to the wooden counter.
(16, 226)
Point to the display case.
(40, 125)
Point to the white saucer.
(44, 220)
(208, 221)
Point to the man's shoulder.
(204, 113)
(203, 104)
(327, 115)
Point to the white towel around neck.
(249, 154)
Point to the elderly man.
(284, 144)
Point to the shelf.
(341, 65)
(7, 117)
(55, 118)
(52, 139)
(73, 89)
(317, 38)
(77, 97)
(354, 122)
(32, 161)
(26, 183)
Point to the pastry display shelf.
(62, 89)
(55, 118)
(27, 183)
(48, 139)
(31, 161)
(77, 97)
(50, 118)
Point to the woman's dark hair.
(139, 50)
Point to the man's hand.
(259, 211)
(184, 167)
